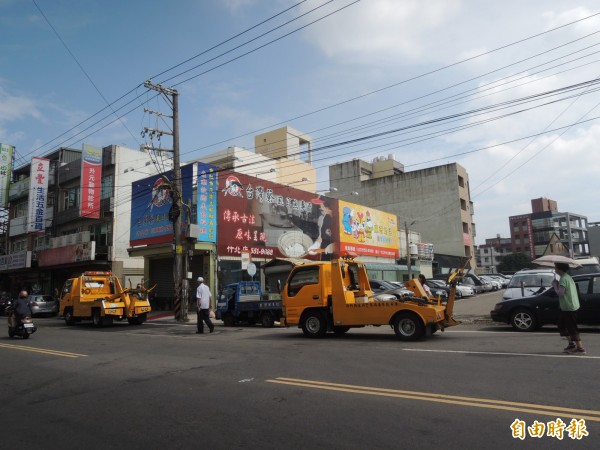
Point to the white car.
(496, 285)
(464, 291)
(528, 282)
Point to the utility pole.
(180, 297)
(408, 264)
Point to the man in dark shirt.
(23, 306)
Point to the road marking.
(42, 350)
(541, 355)
(531, 408)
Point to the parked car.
(385, 290)
(43, 304)
(438, 287)
(4, 301)
(496, 285)
(402, 287)
(531, 312)
(528, 282)
(471, 280)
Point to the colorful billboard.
(6, 155)
(38, 192)
(207, 202)
(151, 201)
(367, 231)
(267, 220)
(91, 181)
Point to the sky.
(506, 89)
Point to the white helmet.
(200, 280)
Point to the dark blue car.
(530, 313)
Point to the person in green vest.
(569, 304)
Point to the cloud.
(381, 31)
(15, 107)
(237, 5)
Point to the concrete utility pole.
(408, 262)
(180, 297)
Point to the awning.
(394, 267)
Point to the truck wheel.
(408, 327)
(138, 320)
(97, 318)
(267, 320)
(228, 320)
(314, 324)
(69, 319)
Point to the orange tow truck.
(335, 296)
(99, 296)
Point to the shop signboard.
(91, 181)
(38, 193)
(207, 202)
(367, 231)
(6, 157)
(152, 199)
(269, 220)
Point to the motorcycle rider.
(21, 308)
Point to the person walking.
(569, 304)
(203, 306)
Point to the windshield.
(532, 280)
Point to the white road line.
(467, 352)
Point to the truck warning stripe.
(531, 408)
(42, 350)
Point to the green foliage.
(513, 263)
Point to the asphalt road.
(159, 385)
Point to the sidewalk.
(169, 316)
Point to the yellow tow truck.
(336, 296)
(99, 296)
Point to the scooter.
(23, 328)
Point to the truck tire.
(69, 319)
(138, 320)
(314, 324)
(267, 320)
(97, 318)
(408, 327)
(228, 320)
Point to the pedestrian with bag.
(203, 297)
(569, 304)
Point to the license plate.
(28, 325)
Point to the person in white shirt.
(203, 298)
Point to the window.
(301, 278)
(70, 198)
(107, 187)
(596, 285)
(461, 181)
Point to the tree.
(514, 262)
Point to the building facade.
(60, 226)
(532, 233)
(491, 253)
(434, 201)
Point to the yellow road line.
(448, 399)
(42, 350)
